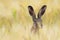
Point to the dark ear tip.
(30, 7)
(44, 6)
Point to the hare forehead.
(38, 20)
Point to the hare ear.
(31, 12)
(41, 11)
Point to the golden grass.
(16, 23)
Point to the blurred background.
(16, 23)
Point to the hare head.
(37, 22)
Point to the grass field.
(16, 23)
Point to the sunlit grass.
(16, 23)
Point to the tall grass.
(16, 23)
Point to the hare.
(37, 22)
